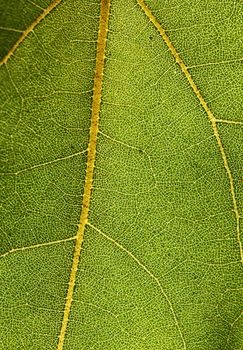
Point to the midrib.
(203, 103)
(94, 127)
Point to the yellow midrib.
(211, 117)
(97, 90)
(29, 30)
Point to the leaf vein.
(40, 245)
(36, 166)
(156, 279)
(94, 129)
(29, 30)
(204, 104)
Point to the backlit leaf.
(121, 174)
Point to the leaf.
(15, 18)
(122, 175)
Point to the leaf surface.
(122, 176)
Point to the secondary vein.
(203, 103)
(39, 245)
(29, 30)
(97, 91)
(148, 272)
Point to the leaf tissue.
(121, 174)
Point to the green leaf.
(121, 175)
(15, 18)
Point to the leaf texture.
(121, 171)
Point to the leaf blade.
(160, 195)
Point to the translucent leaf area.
(160, 266)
